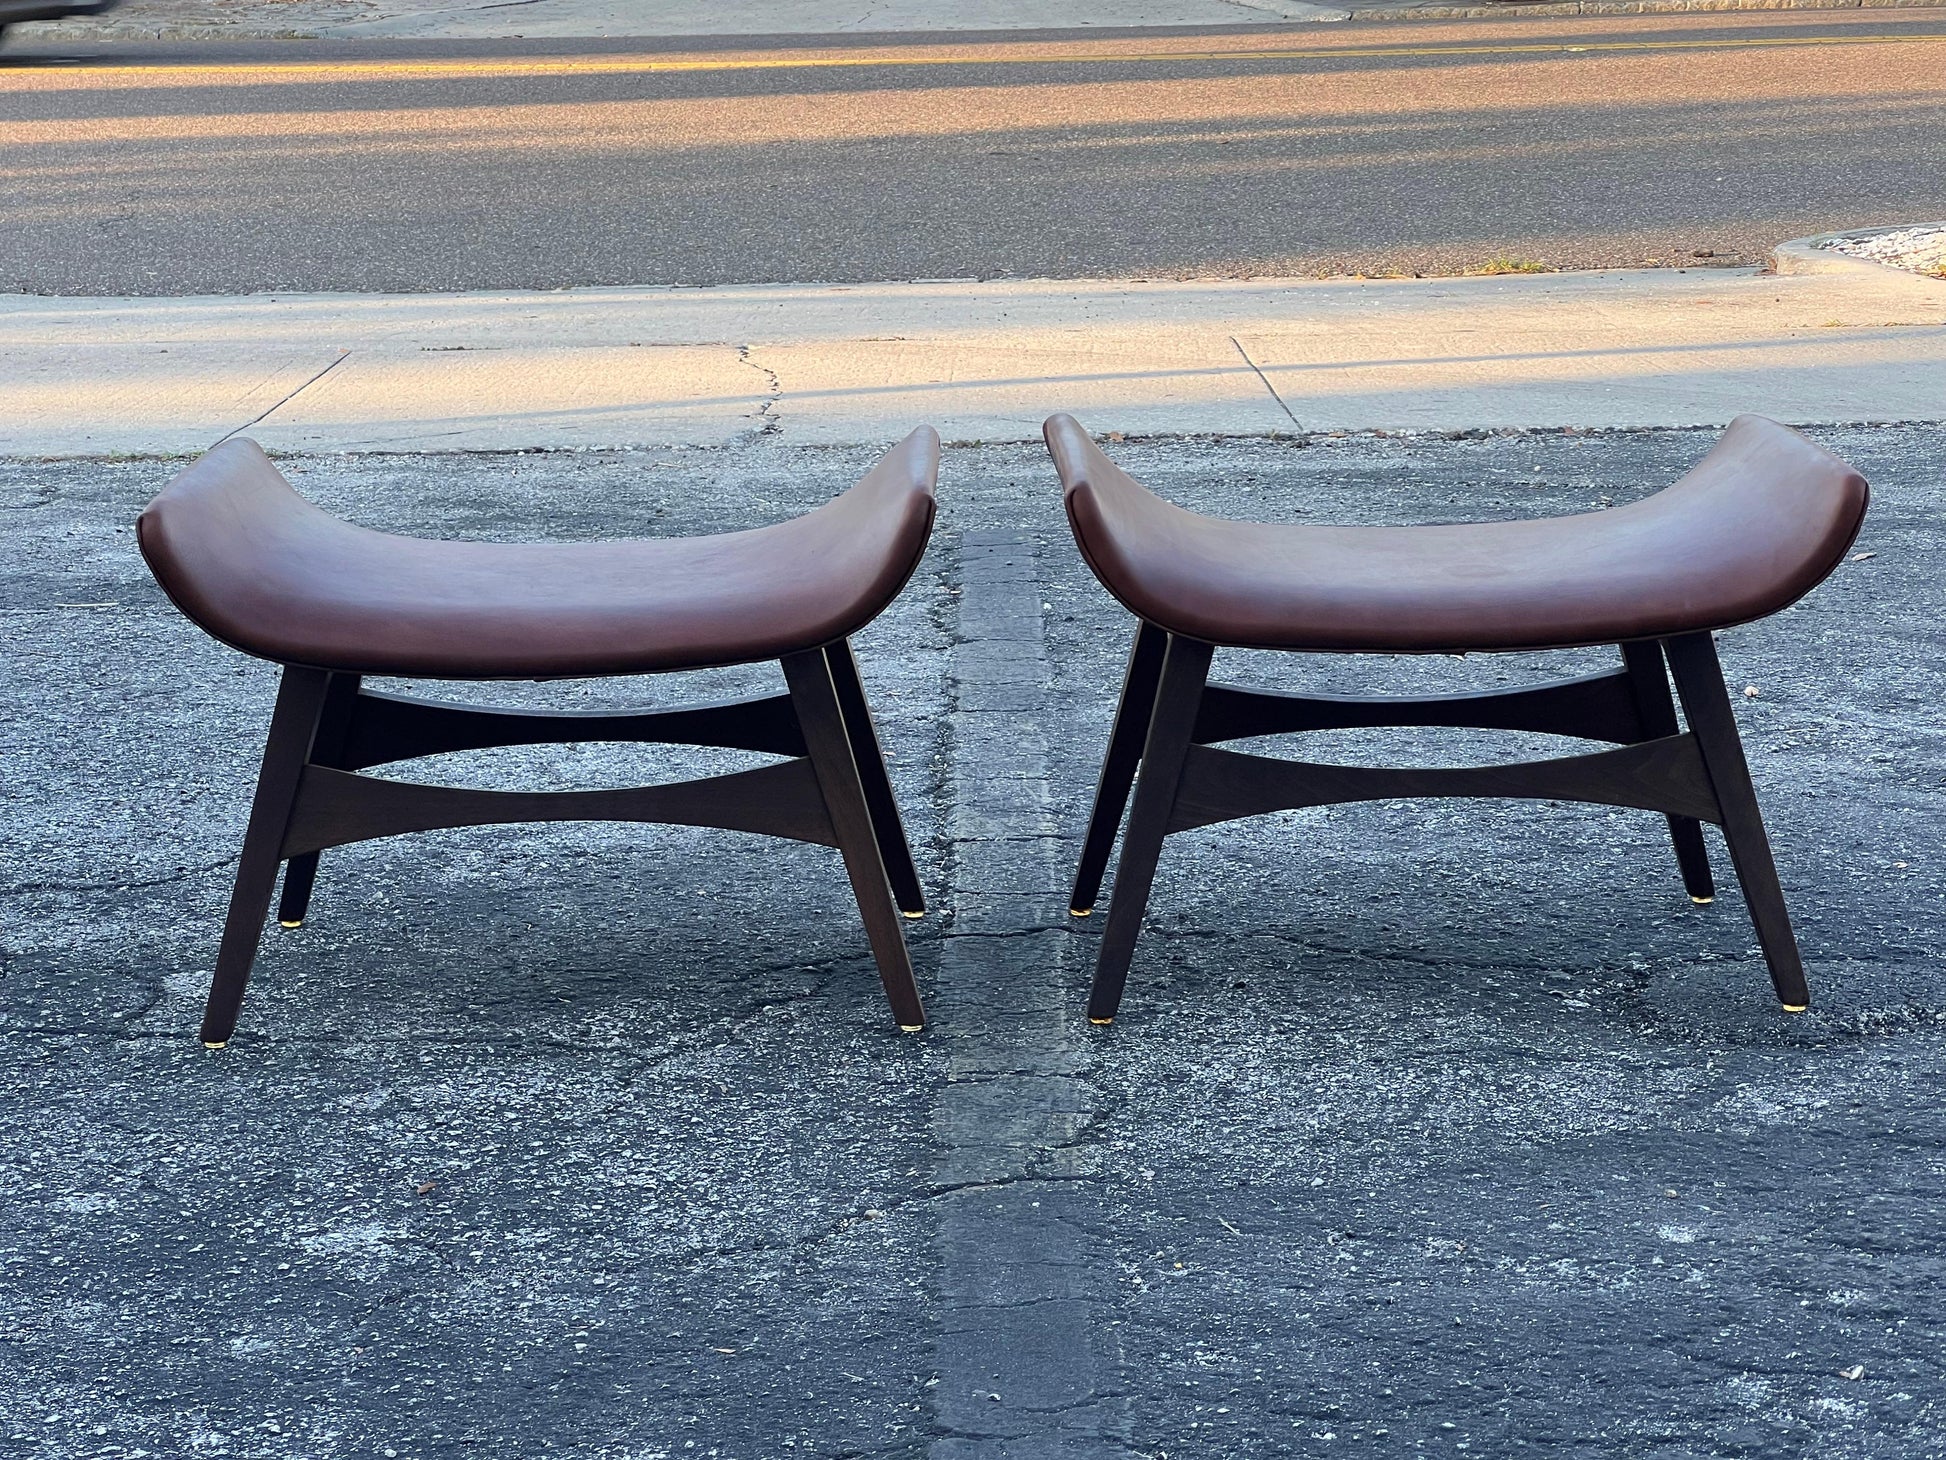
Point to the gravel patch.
(1921, 248)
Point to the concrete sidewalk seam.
(1266, 380)
(271, 410)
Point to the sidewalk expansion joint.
(1281, 404)
(268, 411)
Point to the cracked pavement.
(1427, 1127)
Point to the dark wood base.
(1171, 718)
(832, 790)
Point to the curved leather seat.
(1754, 526)
(257, 566)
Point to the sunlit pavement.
(982, 362)
(403, 167)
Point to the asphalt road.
(1428, 1129)
(1365, 148)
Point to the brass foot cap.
(1795, 1008)
(919, 914)
(912, 1028)
(1702, 901)
(289, 923)
(216, 1044)
(1093, 1020)
(1079, 912)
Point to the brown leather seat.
(257, 566)
(1757, 524)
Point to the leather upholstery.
(1758, 523)
(257, 566)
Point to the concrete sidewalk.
(983, 361)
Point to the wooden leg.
(1118, 765)
(809, 676)
(893, 849)
(1185, 668)
(1649, 679)
(340, 701)
(293, 724)
(1706, 704)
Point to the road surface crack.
(26, 889)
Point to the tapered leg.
(1706, 704)
(893, 848)
(1185, 668)
(340, 701)
(293, 724)
(816, 699)
(1650, 681)
(1118, 765)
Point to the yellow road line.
(651, 65)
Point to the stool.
(258, 567)
(1758, 523)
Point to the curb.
(1519, 9)
(1510, 9)
(1813, 256)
